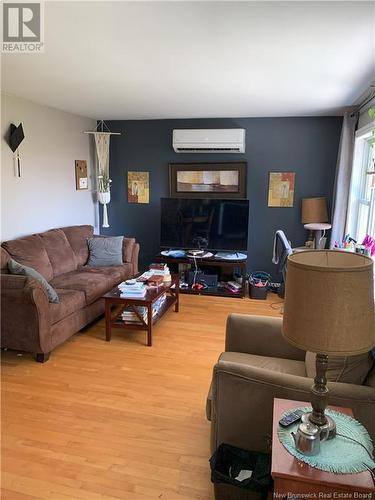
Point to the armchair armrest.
(25, 316)
(260, 335)
(242, 402)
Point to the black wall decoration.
(16, 136)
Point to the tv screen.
(211, 224)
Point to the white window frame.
(361, 165)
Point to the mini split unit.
(231, 140)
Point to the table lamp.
(329, 310)
(315, 218)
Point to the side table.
(293, 478)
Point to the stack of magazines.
(159, 269)
(129, 316)
(135, 290)
(158, 304)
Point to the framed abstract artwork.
(138, 187)
(281, 189)
(207, 180)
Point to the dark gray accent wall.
(306, 145)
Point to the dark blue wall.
(307, 146)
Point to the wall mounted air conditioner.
(231, 140)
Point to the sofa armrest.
(260, 335)
(242, 403)
(25, 316)
(135, 256)
(130, 253)
(127, 249)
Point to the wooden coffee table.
(113, 298)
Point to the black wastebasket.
(240, 474)
(258, 285)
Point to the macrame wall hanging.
(102, 136)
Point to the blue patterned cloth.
(339, 455)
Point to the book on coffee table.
(155, 280)
(133, 290)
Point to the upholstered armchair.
(259, 365)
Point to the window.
(361, 215)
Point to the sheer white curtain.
(343, 176)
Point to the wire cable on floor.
(278, 306)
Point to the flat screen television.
(212, 224)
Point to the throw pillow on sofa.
(347, 369)
(17, 268)
(105, 251)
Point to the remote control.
(291, 418)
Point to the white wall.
(45, 196)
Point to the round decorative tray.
(349, 452)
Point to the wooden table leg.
(149, 325)
(243, 274)
(107, 320)
(177, 293)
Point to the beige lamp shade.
(314, 210)
(329, 302)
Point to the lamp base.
(327, 430)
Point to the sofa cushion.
(289, 366)
(70, 302)
(21, 270)
(127, 247)
(348, 369)
(59, 251)
(30, 252)
(105, 251)
(114, 273)
(77, 237)
(93, 285)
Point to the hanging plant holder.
(103, 182)
(104, 198)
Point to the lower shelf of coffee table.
(219, 292)
(119, 323)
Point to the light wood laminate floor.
(117, 420)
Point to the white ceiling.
(124, 60)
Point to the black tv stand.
(223, 267)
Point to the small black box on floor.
(240, 474)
